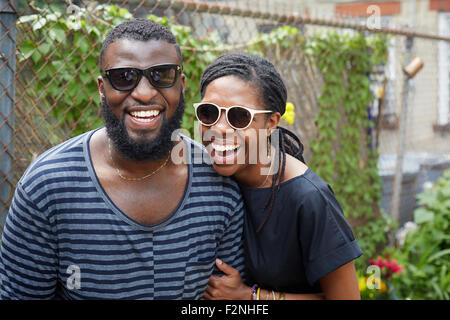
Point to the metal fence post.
(398, 175)
(8, 17)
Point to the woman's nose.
(222, 124)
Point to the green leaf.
(438, 255)
(36, 56)
(27, 48)
(44, 48)
(85, 77)
(57, 34)
(91, 62)
(82, 43)
(422, 215)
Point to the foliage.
(378, 286)
(369, 290)
(63, 50)
(426, 250)
(341, 153)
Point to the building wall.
(422, 106)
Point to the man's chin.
(140, 144)
(143, 137)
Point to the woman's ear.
(273, 120)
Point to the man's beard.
(151, 150)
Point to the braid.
(292, 144)
(287, 146)
(272, 90)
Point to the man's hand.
(228, 286)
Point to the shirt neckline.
(119, 213)
(282, 184)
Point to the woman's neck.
(256, 175)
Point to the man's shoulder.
(60, 158)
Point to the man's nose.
(144, 91)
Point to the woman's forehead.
(231, 90)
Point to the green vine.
(341, 152)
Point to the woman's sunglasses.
(238, 117)
(126, 79)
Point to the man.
(108, 214)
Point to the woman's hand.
(227, 287)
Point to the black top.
(305, 238)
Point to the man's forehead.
(144, 53)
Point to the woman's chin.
(226, 169)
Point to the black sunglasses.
(238, 117)
(160, 76)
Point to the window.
(444, 71)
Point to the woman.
(297, 242)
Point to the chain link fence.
(42, 103)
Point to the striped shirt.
(65, 239)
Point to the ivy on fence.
(341, 152)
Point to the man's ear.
(100, 84)
(183, 82)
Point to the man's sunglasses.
(238, 117)
(160, 76)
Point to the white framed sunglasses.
(238, 117)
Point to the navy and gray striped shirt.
(65, 239)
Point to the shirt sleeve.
(326, 238)
(28, 252)
(231, 248)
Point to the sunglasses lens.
(123, 79)
(163, 76)
(239, 117)
(207, 113)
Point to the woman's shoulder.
(300, 185)
(302, 178)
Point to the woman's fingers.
(225, 268)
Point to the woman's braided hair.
(269, 85)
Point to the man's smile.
(145, 116)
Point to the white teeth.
(145, 114)
(145, 120)
(223, 148)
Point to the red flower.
(394, 267)
(379, 262)
(391, 266)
